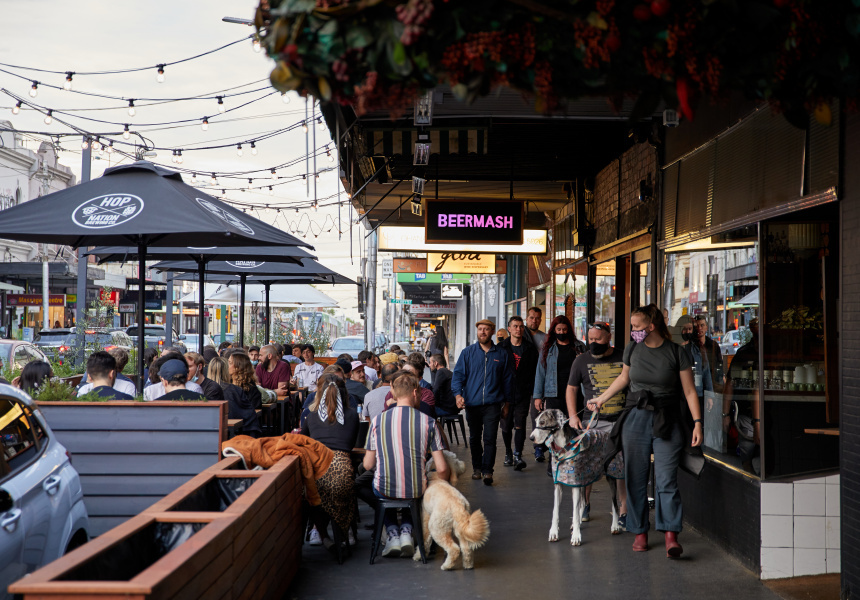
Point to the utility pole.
(371, 290)
(81, 298)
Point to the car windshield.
(5, 351)
(98, 338)
(54, 338)
(345, 344)
(146, 330)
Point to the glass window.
(604, 294)
(571, 287)
(706, 293)
(18, 437)
(643, 283)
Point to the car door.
(32, 481)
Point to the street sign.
(387, 268)
(452, 291)
(128, 307)
(400, 301)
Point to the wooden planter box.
(130, 454)
(250, 548)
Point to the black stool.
(414, 505)
(452, 430)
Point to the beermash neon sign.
(473, 221)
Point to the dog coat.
(580, 462)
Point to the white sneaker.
(351, 538)
(392, 547)
(407, 546)
(316, 539)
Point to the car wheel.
(79, 539)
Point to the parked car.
(60, 344)
(350, 344)
(42, 513)
(730, 343)
(405, 345)
(153, 335)
(190, 341)
(14, 354)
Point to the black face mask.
(562, 337)
(598, 349)
(688, 337)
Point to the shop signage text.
(433, 309)
(400, 301)
(467, 262)
(127, 307)
(474, 221)
(395, 238)
(387, 268)
(452, 291)
(34, 299)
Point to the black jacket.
(527, 369)
(442, 391)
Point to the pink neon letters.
(465, 220)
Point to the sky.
(90, 35)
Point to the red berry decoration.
(661, 7)
(613, 43)
(641, 12)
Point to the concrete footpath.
(518, 562)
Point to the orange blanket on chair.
(314, 457)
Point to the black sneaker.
(488, 479)
(519, 463)
(539, 455)
(509, 460)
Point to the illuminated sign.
(473, 221)
(433, 309)
(35, 299)
(452, 291)
(411, 239)
(469, 263)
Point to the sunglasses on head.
(604, 326)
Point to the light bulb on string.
(285, 98)
(173, 158)
(271, 191)
(321, 124)
(221, 107)
(49, 118)
(256, 45)
(97, 145)
(85, 144)
(131, 110)
(253, 148)
(205, 124)
(160, 76)
(126, 133)
(330, 157)
(34, 89)
(179, 158)
(305, 127)
(223, 193)
(250, 183)
(101, 150)
(274, 174)
(239, 150)
(317, 175)
(67, 84)
(110, 147)
(213, 180)
(17, 108)
(194, 179)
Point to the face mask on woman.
(638, 336)
(562, 337)
(687, 337)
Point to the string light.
(97, 145)
(223, 193)
(253, 148)
(34, 89)
(272, 192)
(101, 150)
(221, 107)
(257, 47)
(110, 147)
(239, 150)
(285, 98)
(330, 157)
(85, 144)
(131, 110)
(126, 133)
(179, 158)
(49, 117)
(274, 174)
(305, 126)
(160, 76)
(250, 183)
(321, 124)
(213, 180)
(17, 108)
(67, 85)
(194, 179)
(205, 124)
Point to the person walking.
(655, 421)
(482, 383)
(525, 357)
(534, 318)
(437, 344)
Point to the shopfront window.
(710, 295)
(604, 294)
(642, 273)
(570, 298)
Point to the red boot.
(640, 544)
(673, 548)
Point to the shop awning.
(281, 296)
(8, 287)
(750, 299)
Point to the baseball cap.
(356, 364)
(345, 365)
(173, 367)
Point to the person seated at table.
(374, 401)
(272, 373)
(211, 390)
(156, 390)
(425, 396)
(101, 368)
(242, 375)
(446, 403)
(334, 423)
(307, 373)
(293, 354)
(416, 359)
(238, 404)
(254, 355)
(121, 383)
(149, 356)
(357, 382)
(329, 370)
(224, 346)
(174, 375)
(397, 447)
(33, 376)
(371, 366)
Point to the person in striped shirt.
(397, 447)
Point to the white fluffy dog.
(446, 518)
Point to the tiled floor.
(518, 562)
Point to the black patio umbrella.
(140, 204)
(265, 272)
(201, 257)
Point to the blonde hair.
(404, 385)
(218, 371)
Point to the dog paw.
(446, 566)
(468, 567)
(417, 555)
(553, 534)
(576, 540)
(615, 530)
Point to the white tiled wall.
(800, 527)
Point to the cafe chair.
(414, 505)
(450, 420)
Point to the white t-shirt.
(371, 374)
(156, 390)
(374, 401)
(121, 385)
(307, 375)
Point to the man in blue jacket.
(483, 383)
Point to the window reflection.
(604, 294)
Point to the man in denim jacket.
(483, 384)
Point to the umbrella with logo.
(265, 272)
(199, 257)
(143, 205)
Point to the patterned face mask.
(638, 336)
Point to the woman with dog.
(657, 371)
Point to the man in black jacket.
(513, 423)
(446, 404)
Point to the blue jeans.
(639, 443)
(390, 518)
(483, 423)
